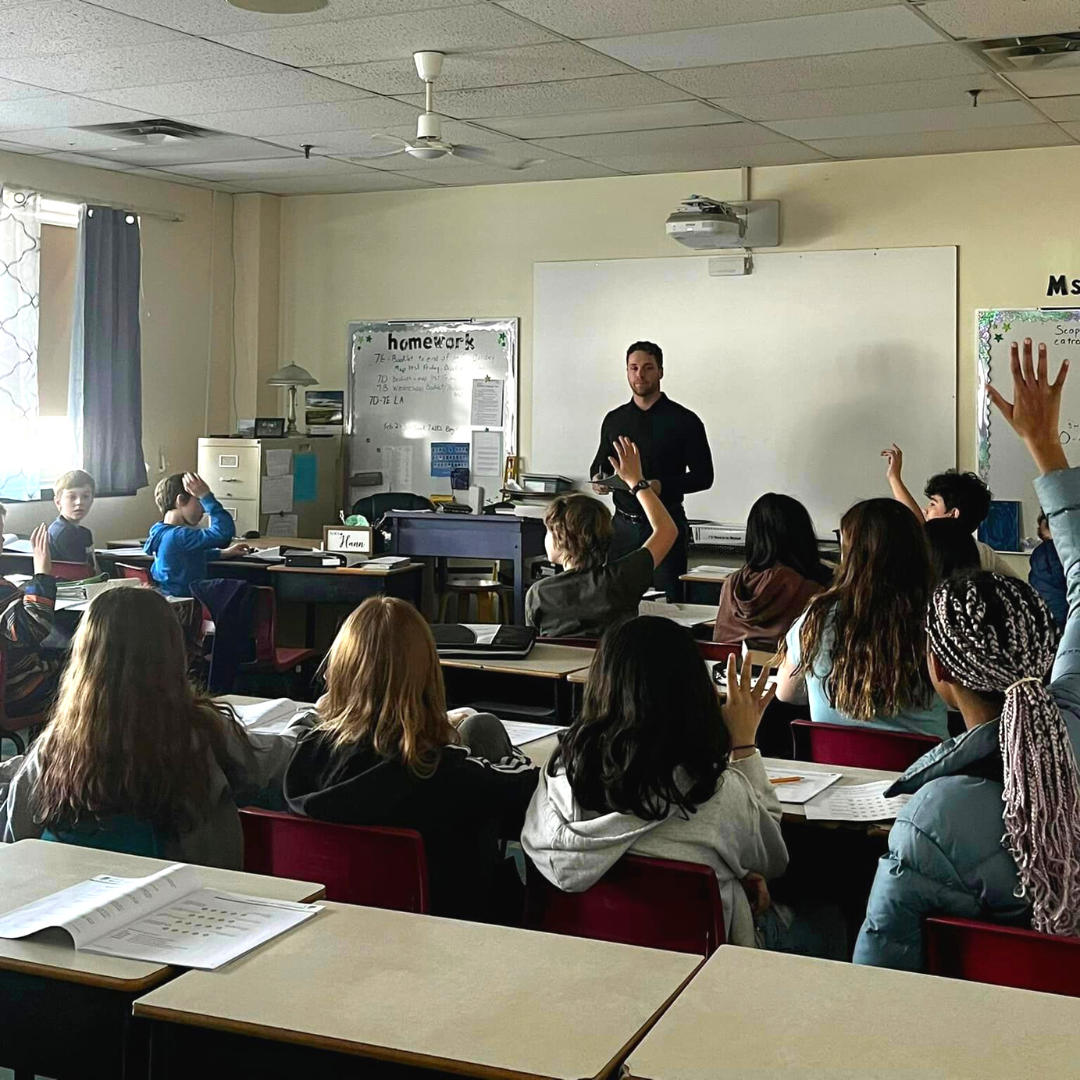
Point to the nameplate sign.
(347, 540)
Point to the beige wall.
(470, 251)
(177, 305)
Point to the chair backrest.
(862, 746)
(137, 573)
(658, 903)
(358, 864)
(719, 650)
(71, 571)
(265, 628)
(1002, 955)
(374, 506)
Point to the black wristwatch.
(641, 485)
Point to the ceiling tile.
(460, 174)
(22, 148)
(91, 162)
(1003, 18)
(370, 114)
(285, 86)
(823, 72)
(364, 180)
(237, 171)
(1004, 114)
(1061, 108)
(214, 17)
(638, 118)
(12, 91)
(154, 64)
(613, 17)
(810, 35)
(221, 148)
(1056, 83)
(490, 67)
(853, 100)
(546, 99)
(1072, 129)
(945, 142)
(388, 37)
(67, 26)
(66, 139)
(56, 110)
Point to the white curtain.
(20, 262)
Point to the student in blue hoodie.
(1047, 575)
(180, 548)
(992, 829)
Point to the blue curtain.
(105, 399)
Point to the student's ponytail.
(996, 636)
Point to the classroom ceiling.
(593, 87)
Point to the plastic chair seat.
(72, 571)
(287, 659)
(859, 746)
(137, 573)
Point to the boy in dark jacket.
(1047, 575)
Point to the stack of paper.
(270, 717)
(856, 802)
(163, 918)
(711, 571)
(523, 733)
(808, 783)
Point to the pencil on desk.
(785, 779)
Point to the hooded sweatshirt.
(762, 604)
(736, 832)
(462, 810)
(181, 552)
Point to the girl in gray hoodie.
(653, 765)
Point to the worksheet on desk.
(856, 802)
(521, 733)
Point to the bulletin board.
(426, 396)
(1004, 462)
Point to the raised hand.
(895, 462)
(627, 461)
(195, 485)
(746, 701)
(1036, 406)
(39, 539)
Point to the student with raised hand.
(133, 758)
(783, 571)
(951, 494)
(654, 765)
(26, 620)
(385, 752)
(992, 829)
(181, 549)
(858, 654)
(592, 593)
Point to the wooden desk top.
(433, 992)
(382, 571)
(708, 578)
(771, 1015)
(32, 869)
(544, 662)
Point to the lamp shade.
(293, 375)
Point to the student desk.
(485, 680)
(67, 1014)
(358, 986)
(469, 536)
(763, 1014)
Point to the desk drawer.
(244, 512)
(232, 473)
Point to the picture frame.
(269, 427)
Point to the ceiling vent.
(151, 132)
(1047, 52)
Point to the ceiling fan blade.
(383, 146)
(478, 153)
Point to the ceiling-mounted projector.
(705, 224)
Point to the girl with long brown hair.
(858, 654)
(385, 752)
(133, 757)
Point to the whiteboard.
(801, 372)
(1004, 462)
(424, 396)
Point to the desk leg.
(519, 588)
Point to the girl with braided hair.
(992, 830)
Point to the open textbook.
(165, 918)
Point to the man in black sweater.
(675, 456)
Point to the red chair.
(718, 651)
(269, 655)
(137, 573)
(71, 571)
(862, 746)
(657, 903)
(1002, 955)
(376, 867)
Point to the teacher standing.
(675, 457)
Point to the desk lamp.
(292, 377)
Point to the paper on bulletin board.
(305, 478)
(397, 465)
(283, 525)
(277, 495)
(448, 456)
(487, 453)
(278, 462)
(487, 403)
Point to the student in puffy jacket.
(992, 830)
(1047, 575)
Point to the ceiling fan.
(428, 145)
